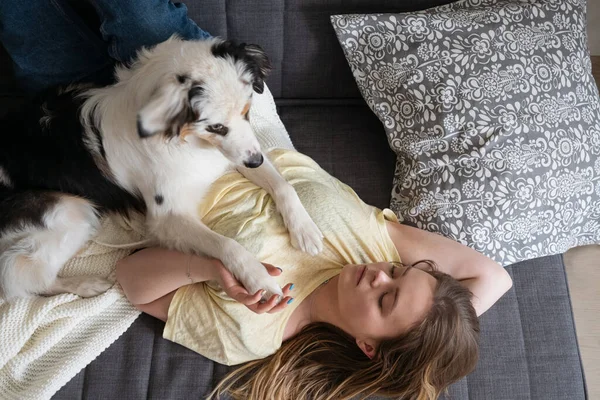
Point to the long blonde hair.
(322, 362)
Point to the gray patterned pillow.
(494, 115)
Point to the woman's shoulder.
(410, 242)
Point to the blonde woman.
(384, 309)
(367, 317)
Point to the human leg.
(49, 44)
(129, 25)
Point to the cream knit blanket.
(46, 341)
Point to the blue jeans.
(50, 44)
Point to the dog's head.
(204, 89)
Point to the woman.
(385, 308)
(362, 320)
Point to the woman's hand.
(236, 291)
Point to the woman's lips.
(360, 273)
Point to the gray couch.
(528, 345)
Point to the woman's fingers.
(254, 302)
(287, 288)
(242, 296)
(272, 270)
(283, 304)
(261, 308)
(272, 305)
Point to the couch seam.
(85, 371)
(527, 362)
(213, 379)
(467, 386)
(151, 360)
(226, 20)
(284, 23)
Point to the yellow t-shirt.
(205, 319)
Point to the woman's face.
(380, 301)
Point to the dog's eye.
(218, 129)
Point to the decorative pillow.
(494, 115)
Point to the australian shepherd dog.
(175, 121)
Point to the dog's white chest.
(170, 176)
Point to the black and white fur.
(175, 121)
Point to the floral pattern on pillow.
(494, 115)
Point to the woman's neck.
(319, 306)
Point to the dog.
(175, 121)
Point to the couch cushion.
(349, 143)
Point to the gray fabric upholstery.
(524, 351)
(528, 348)
(348, 142)
(298, 37)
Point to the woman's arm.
(486, 279)
(149, 274)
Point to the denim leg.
(50, 45)
(128, 25)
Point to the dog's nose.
(254, 161)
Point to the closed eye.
(218, 129)
(392, 269)
(381, 300)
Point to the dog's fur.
(175, 121)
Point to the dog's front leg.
(188, 235)
(304, 233)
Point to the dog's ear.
(252, 55)
(259, 65)
(166, 112)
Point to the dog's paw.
(305, 234)
(249, 272)
(254, 277)
(253, 284)
(90, 286)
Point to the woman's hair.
(323, 362)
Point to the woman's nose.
(379, 278)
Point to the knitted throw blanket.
(46, 341)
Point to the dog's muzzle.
(254, 161)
